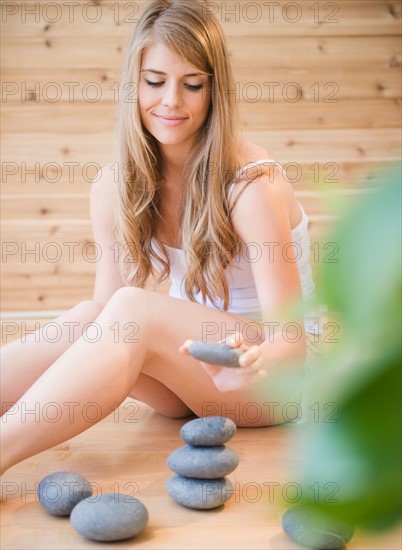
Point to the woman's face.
(174, 97)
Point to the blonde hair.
(207, 235)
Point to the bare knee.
(129, 293)
(131, 300)
(88, 309)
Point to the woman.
(193, 196)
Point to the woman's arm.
(261, 218)
(103, 194)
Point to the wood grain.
(238, 18)
(61, 70)
(259, 52)
(127, 452)
(73, 84)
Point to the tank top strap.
(255, 163)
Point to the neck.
(174, 157)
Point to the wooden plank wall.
(318, 85)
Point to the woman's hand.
(227, 379)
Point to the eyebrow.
(162, 73)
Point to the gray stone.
(203, 462)
(208, 431)
(216, 353)
(109, 517)
(314, 529)
(60, 492)
(201, 494)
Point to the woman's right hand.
(250, 372)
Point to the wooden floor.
(127, 452)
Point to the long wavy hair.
(207, 236)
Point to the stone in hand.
(202, 494)
(216, 353)
(208, 431)
(60, 492)
(109, 517)
(314, 529)
(203, 462)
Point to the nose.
(171, 97)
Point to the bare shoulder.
(269, 185)
(250, 152)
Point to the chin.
(171, 139)
(163, 140)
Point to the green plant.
(360, 453)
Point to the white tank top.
(243, 299)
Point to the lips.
(171, 117)
(170, 120)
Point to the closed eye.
(153, 84)
(191, 87)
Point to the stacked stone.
(202, 464)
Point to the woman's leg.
(138, 331)
(159, 397)
(24, 360)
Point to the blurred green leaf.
(361, 453)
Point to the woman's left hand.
(250, 372)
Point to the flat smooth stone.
(216, 353)
(314, 529)
(208, 431)
(203, 462)
(60, 492)
(109, 517)
(202, 494)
